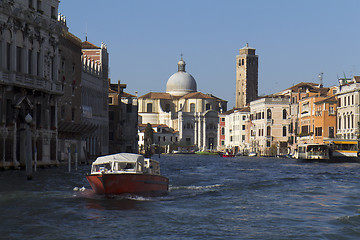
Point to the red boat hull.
(228, 155)
(128, 183)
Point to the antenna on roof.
(86, 32)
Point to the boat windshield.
(317, 148)
(105, 167)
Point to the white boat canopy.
(121, 157)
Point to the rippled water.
(210, 198)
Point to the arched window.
(339, 122)
(192, 107)
(284, 114)
(208, 106)
(268, 131)
(284, 131)
(149, 107)
(268, 114)
(167, 107)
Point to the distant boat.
(127, 173)
(228, 155)
(252, 154)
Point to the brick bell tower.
(246, 76)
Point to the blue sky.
(295, 40)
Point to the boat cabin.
(125, 163)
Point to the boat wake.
(174, 188)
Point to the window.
(284, 131)
(222, 131)
(284, 114)
(305, 129)
(208, 106)
(243, 138)
(18, 59)
(53, 15)
(39, 8)
(110, 100)
(128, 108)
(268, 131)
(38, 63)
(31, 5)
(268, 114)
(30, 61)
(339, 122)
(268, 144)
(331, 132)
(222, 143)
(243, 127)
(8, 56)
(243, 118)
(331, 110)
(231, 138)
(167, 107)
(318, 131)
(223, 119)
(339, 102)
(192, 107)
(149, 108)
(73, 114)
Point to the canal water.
(210, 198)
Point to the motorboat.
(127, 173)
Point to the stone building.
(29, 81)
(184, 109)
(348, 111)
(94, 99)
(269, 125)
(232, 130)
(70, 128)
(123, 120)
(246, 77)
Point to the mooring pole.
(69, 160)
(28, 152)
(76, 159)
(35, 160)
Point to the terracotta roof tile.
(157, 95)
(88, 45)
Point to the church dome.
(181, 83)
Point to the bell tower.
(246, 76)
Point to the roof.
(331, 99)
(244, 109)
(88, 45)
(198, 95)
(121, 157)
(157, 95)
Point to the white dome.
(181, 83)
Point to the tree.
(148, 139)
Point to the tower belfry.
(246, 76)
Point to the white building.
(183, 108)
(233, 130)
(348, 108)
(269, 125)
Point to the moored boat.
(312, 151)
(127, 173)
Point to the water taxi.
(309, 151)
(127, 173)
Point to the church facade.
(193, 114)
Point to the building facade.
(184, 109)
(94, 99)
(348, 118)
(123, 120)
(246, 77)
(232, 130)
(29, 81)
(269, 125)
